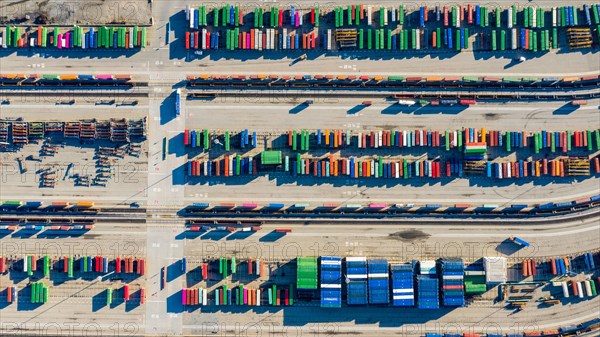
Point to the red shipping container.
(2, 265)
(187, 40)
(574, 287)
(142, 295)
(470, 12)
(545, 166)
(533, 267)
(553, 266)
(205, 271)
(280, 17)
(364, 140)
(312, 16)
(9, 298)
(448, 172)
(445, 16)
(372, 139)
(241, 17)
(186, 137)
(118, 264)
(66, 264)
(425, 14)
(525, 267)
(597, 165)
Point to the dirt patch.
(491, 116)
(409, 235)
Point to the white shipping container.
(565, 290)
(588, 288)
(393, 10)
(203, 38)
(397, 166)
(418, 39)
(284, 32)
(360, 145)
(500, 171)
(380, 138)
(206, 167)
(369, 15)
(579, 289)
(130, 38)
(32, 42)
(260, 40)
(273, 39)
(268, 32)
(534, 20)
(553, 16)
(83, 42)
(2, 42)
(509, 14)
(190, 16)
(421, 137)
(348, 167)
(372, 167)
(514, 39)
(256, 39)
(257, 296)
(187, 12)
(329, 39)
(301, 20)
(231, 167)
(404, 137)
(385, 16)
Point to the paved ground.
(162, 240)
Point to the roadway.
(166, 66)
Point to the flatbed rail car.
(202, 95)
(392, 82)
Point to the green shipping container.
(317, 11)
(360, 38)
(498, 17)
(401, 14)
(349, 11)
(554, 38)
(502, 40)
(466, 38)
(493, 40)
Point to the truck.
(178, 102)
(519, 241)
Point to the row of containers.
(234, 16)
(580, 288)
(274, 295)
(87, 264)
(197, 138)
(228, 267)
(557, 266)
(383, 207)
(357, 15)
(111, 294)
(377, 282)
(39, 205)
(461, 81)
(76, 37)
(303, 140)
(51, 78)
(236, 165)
(39, 293)
(372, 39)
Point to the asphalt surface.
(76, 305)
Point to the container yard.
(179, 168)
